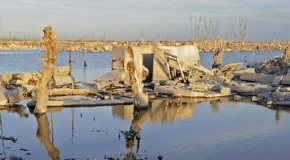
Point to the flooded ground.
(172, 128)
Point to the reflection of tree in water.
(43, 134)
(214, 105)
(278, 115)
(85, 74)
(278, 111)
(133, 134)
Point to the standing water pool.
(182, 129)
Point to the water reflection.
(43, 134)
(17, 109)
(161, 111)
(278, 112)
(278, 115)
(84, 74)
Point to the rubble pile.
(171, 72)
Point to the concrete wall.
(138, 57)
(188, 54)
(119, 57)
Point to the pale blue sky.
(124, 19)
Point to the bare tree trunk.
(284, 62)
(216, 32)
(197, 29)
(41, 90)
(218, 58)
(141, 99)
(243, 30)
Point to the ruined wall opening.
(148, 63)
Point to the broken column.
(41, 90)
(141, 99)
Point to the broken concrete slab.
(250, 89)
(174, 91)
(119, 75)
(277, 80)
(273, 98)
(256, 77)
(285, 80)
(81, 103)
(62, 80)
(68, 91)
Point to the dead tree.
(243, 29)
(41, 90)
(216, 32)
(207, 29)
(218, 58)
(197, 29)
(141, 99)
(84, 54)
(284, 62)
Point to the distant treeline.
(102, 46)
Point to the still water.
(174, 128)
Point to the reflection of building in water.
(16, 109)
(171, 110)
(162, 110)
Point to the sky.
(156, 19)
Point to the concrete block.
(225, 90)
(200, 86)
(62, 80)
(179, 92)
(246, 70)
(116, 75)
(285, 80)
(256, 77)
(61, 71)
